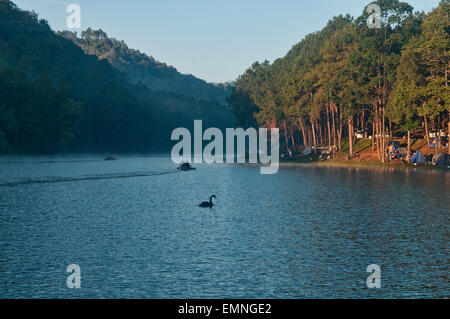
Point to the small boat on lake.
(186, 167)
(110, 158)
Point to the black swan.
(208, 204)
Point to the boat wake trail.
(58, 179)
(50, 161)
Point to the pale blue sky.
(211, 39)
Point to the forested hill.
(349, 77)
(54, 97)
(141, 68)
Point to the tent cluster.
(395, 151)
(437, 160)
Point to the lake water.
(135, 229)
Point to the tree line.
(349, 77)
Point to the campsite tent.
(393, 148)
(402, 152)
(441, 160)
(307, 151)
(418, 158)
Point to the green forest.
(54, 97)
(350, 78)
(61, 92)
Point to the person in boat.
(110, 158)
(186, 166)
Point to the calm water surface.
(136, 231)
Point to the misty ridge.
(140, 68)
(58, 98)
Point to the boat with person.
(186, 166)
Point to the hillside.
(141, 68)
(350, 79)
(56, 98)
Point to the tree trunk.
(308, 133)
(408, 157)
(437, 138)
(353, 131)
(377, 133)
(340, 132)
(373, 136)
(286, 136)
(362, 121)
(350, 135)
(329, 127)
(379, 144)
(314, 134)
(426, 131)
(390, 130)
(302, 126)
(383, 136)
(448, 111)
(334, 126)
(319, 128)
(310, 139)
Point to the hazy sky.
(215, 40)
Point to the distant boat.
(110, 158)
(186, 167)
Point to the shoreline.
(340, 164)
(336, 163)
